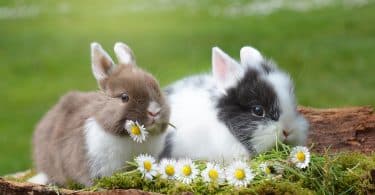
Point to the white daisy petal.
(271, 169)
(266, 169)
(213, 173)
(300, 156)
(136, 131)
(239, 174)
(147, 166)
(168, 168)
(187, 171)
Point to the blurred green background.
(327, 46)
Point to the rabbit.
(236, 112)
(83, 136)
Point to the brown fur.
(59, 142)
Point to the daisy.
(187, 171)
(147, 166)
(267, 169)
(239, 174)
(213, 173)
(300, 156)
(167, 168)
(136, 131)
(271, 169)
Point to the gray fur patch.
(167, 151)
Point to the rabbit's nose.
(153, 109)
(285, 133)
(153, 114)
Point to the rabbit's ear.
(124, 54)
(101, 62)
(251, 57)
(226, 70)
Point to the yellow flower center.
(186, 170)
(169, 170)
(267, 170)
(147, 165)
(240, 174)
(300, 156)
(213, 174)
(135, 130)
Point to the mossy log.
(15, 188)
(339, 129)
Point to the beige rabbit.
(83, 136)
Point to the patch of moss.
(356, 169)
(281, 187)
(74, 186)
(342, 173)
(133, 181)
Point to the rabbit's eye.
(124, 97)
(258, 111)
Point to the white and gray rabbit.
(237, 111)
(83, 136)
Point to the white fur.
(283, 87)
(200, 134)
(97, 54)
(40, 178)
(265, 137)
(154, 107)
(123, 53)
(108, 153)
(290, 121)
(251, 57)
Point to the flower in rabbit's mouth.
(167, 168)
(146, 165)
(239, 174)
(300, 156)
(187, 171)
(213, 173)
(136, 131)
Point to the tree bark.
(16, 188)
(339, 129)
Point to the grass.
(44, 52)
(343, 173)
